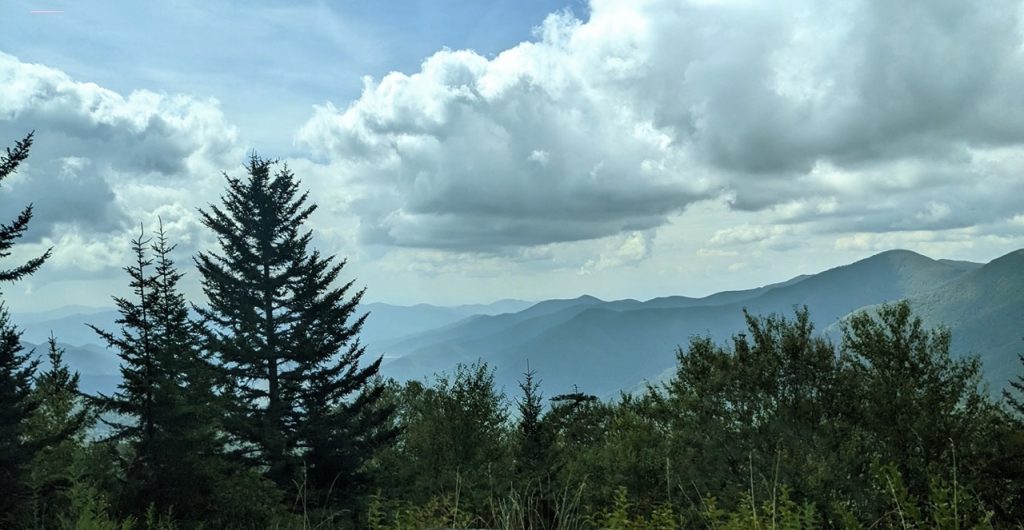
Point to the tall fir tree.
(135, 403)
(305, 407)
(10, 233)
(16, 366)
(168, 398)
(16, 407)
(535, 438)
(195, 470)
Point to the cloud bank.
(853, 116)
(647, 147)
(102, 162)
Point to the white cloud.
(94, 147)
(723, 128)
(629, 249)
(102, 163)
(845, 115)
(519, 150)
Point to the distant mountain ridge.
(68, 328)
(389, 322)
(604, 347)
(98, 369)
(985, 311)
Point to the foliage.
(534, 456)
(302, 404)
(58, 427)
(1014, 395)
(455, 442)
(917, 406)
(267, 415)
(9, 233)
(16, 408)
(167, 408)
(17, 368)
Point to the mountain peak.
(900, 254)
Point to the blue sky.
(469, 151)
(295, 54)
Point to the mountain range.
(604, 347)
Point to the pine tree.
(304, 409)
(534, 453)
(16, 368)
(10, 233)
(58, 426)
(16, 407)
(135, 403)
(169, 399)
(534, 437)
(190, 457)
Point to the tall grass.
(948, 506)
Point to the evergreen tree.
(10, 233)
(168, 396)
(1004, 470)
(534, 454)
(193, 466)
(16, 368)
(58, 426)
(16, 407)
(532, 441)
(135, 403)
(304, 407)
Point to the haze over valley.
(605, 347)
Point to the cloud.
(478, 154)
(103, 163)
(94, 146)
(851, 116)
(73, 193)
(721, 128)
(628, 249)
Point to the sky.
(464, 152)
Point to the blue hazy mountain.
(69, 327)
(387, 322)
(97, 367)
(984, 309)
(604, 347)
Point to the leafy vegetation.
(264, 413)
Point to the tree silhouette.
(304, 407)
(16, 368)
